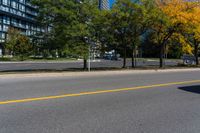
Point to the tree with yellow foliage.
(175, 18)
(192, 26)
(193, 29)
(163, 27)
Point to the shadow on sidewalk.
(193, 89)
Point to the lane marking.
(95, 92)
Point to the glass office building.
(19, 14)
(104, 4)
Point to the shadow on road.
(193, 89)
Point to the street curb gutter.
(93, 73)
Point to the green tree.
(71, 24)
(55, 17)
(129, 20)
(105, 31)
(120, 19)
(82, 32)
(141, 16)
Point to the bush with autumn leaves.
(18, 44)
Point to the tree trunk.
(124, 60)
(84, 64)
(133, 58)
(196, 52)
(162, 51)
(134, 62)
(21, 57)
(3, 51)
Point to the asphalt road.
(25, 66)
(167, 102)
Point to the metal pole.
(89, 61)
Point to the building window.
(6, 2)
(14, 4)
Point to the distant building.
(104, 4)
(19, 14)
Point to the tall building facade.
(19, 14)
(104, 4)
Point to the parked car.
(110, 57)
(188, 59)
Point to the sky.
(111, 2)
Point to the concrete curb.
(93, 73)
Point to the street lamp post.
(89, 56)
(89, 61)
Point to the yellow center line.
(95, 92)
